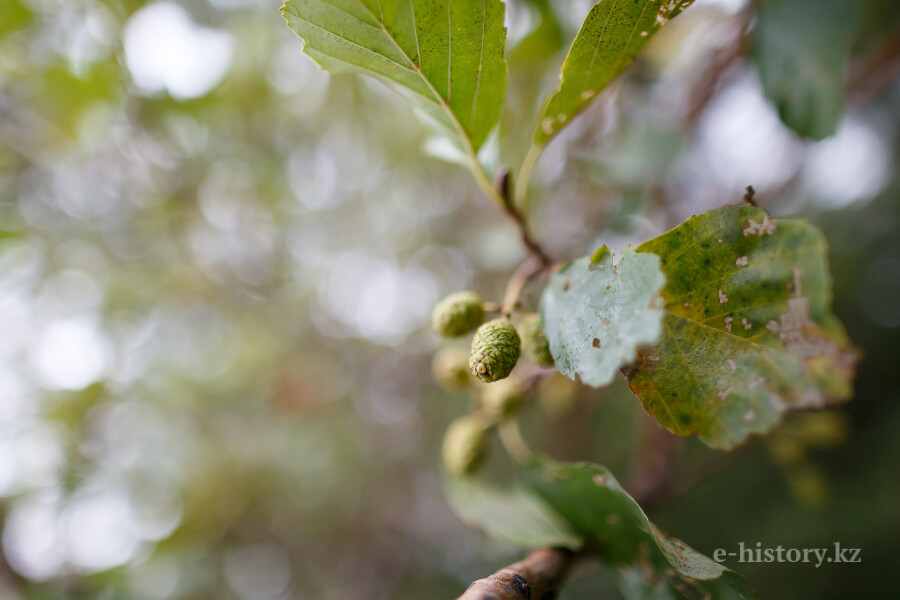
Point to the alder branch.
(520, 278)
(503, 184)
(721, 61)
(874, 70)
(538, 577)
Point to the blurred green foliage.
(215, 375)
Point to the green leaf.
(545, 39)
(582, 505)
(596, 314)
(513, 515)
(748, 330)
(612, 35)
(445, 57)
(801, 49)
(650, 564)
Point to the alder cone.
(495, 350)
(464, 445)
(534, 341)
(450, 368)
(457, 314)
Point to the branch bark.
(503, 184)
(722, 59)
(538, 577)
(520, 278)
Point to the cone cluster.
(496, 348)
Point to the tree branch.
(875, 69)
(719, 63)
(520, 278)
(538, 577)
(503, 184)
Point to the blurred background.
(217, 264)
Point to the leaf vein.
(590, 71)
(340, 38)
(480, 65)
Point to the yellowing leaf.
(748, 329)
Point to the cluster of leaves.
(720, 325)
(740, 333)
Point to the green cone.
(464, 445)
(457, 314)
(450, 368)
(495, 350)
(534, 341)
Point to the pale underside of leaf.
(611, 37)
(512, 515)
(596, 314)
(445, 56)
(748, 332)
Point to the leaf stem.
(482, 180)
(512, 440)
(520, 278)
(525, 173)
(503, 186)
(503, 194)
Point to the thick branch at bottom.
(537, 577)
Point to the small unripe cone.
(534, 341)
(457, 314)
(450, 367)
(502, 400)
(495, 350)
(557, 396)
(464, 445)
